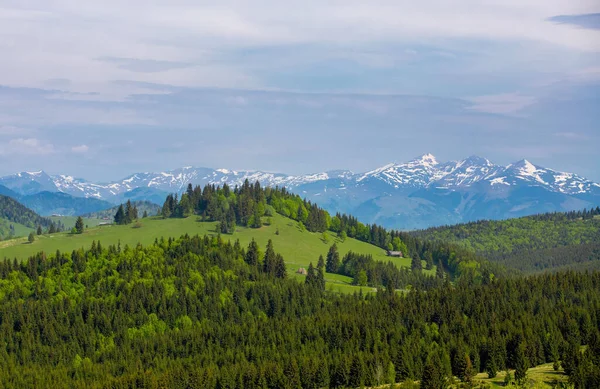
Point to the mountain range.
(416, 194)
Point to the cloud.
(27, 146)
(508, 103)
(81, 149)
(145, 65)
(591, 21)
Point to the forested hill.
(142, 206)
(199, 312)
(247, 204)
(16, 212)
(534, 243)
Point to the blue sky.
(103, 89)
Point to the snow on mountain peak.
(427, 160)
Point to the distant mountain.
(415, 194)
(56, 203)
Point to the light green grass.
(69, 221)
(20, 230)
(298, 247)
(539, 377)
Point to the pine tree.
(433, 377)
(79, 225)
(280, 268)
(521, 364)
(39, 230)
(252, 254)
(311, 277)
(416, 264)
(145, 215)
(270, 259)
(128, 212)
(135, 212)
(333, 260)
(31, 237)
(439, 271)
(320, 273)
(120, 216)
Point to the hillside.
(299, 247)
(530, 244)
(13, 211)
(10, 229)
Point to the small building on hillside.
(302, 271)
(397, 254)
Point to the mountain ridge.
(421, 187)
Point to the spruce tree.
(311, 277)
(39, 230)
(433, 377)
(252, 254)
(416, 264)
(31, 237)
(120, 215)
(79, 225)
(333, 260)
(145, 215)
(270, 259)
(321, 273)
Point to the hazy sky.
(101, 89)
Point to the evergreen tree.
(320, 273)
(39, 230)
(252, 254)
(120, 216)
(433, 376)
(270, 259)
(280, 268)
(416, 264)
(521, 364)
(311, 276)
(79, 225)
(333, 260)
(31, 237)
(128, 212)
(145, 215)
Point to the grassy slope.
(20, 230)
(543, 376)
(299, 248)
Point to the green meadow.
(299, 247)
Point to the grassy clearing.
(299, 247)
(20, 230)
(539, 377)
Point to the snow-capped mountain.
(418, 193)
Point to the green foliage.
(79, 227)
(530, 244)
(14, 212)
(31, 237)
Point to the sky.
(101, 90)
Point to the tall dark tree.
(332, 264)
(270, 259)
(416, 264)
(433, 375)
(79, 226)
(320, 272)
(252, 254)
(120, 216)
(39, 230)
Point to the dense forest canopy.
(199, 312)
(530, 244)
